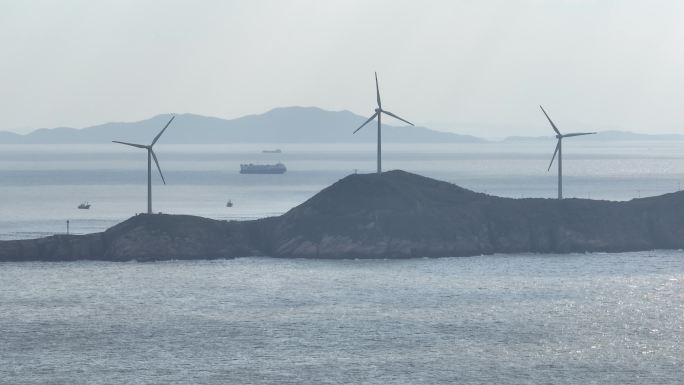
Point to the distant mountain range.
(280, 125)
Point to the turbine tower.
(150, 155)
(378, 113)
(558, 151)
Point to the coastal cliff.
(391, 215)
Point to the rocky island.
(395, 214)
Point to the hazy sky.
(478, 67)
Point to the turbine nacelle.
(150, 156)
(377, 112)
(379, 109)
(557, 151)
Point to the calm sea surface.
(517, 319)
(40, 185)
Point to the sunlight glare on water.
(576, 319)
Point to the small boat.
(84, 206)
(229, 203)
(276, 151)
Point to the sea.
(506, 319)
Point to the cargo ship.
(251, 168)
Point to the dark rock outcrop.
(392, 215)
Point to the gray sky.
(479, 67)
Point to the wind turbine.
(150, 155)
(378, 113)
(558, 151)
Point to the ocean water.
(516, 319)
(41, 185)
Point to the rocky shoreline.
(390, 215)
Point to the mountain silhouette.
(280, 125)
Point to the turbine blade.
(396, 117)
(377, 90)
(130, 144)
(154, 156)
(554, 155)
(156, 138)
(578, 134)
(366, 122)
(550, 121)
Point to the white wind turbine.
(150, 155)
(378, 112)
(558, 151)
